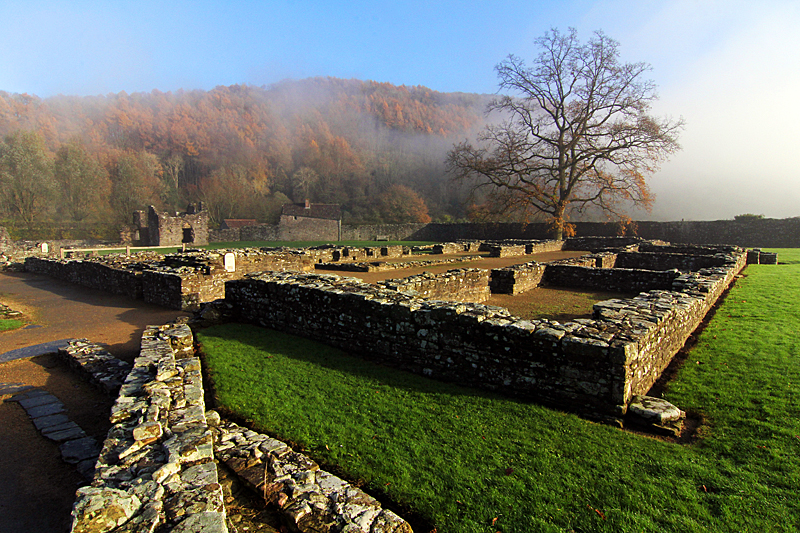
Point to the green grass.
(7, 324)
(462, 458)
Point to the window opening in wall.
(188, 235)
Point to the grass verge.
(7, 324)
(469, 461)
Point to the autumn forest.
(377, 149)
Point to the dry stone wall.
(156, 469)
(460, 285)
(592, 365)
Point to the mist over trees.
(375, 148)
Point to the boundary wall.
(766, 233)
(591, 366)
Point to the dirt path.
(38, 487)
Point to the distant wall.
(766, 233)
(296, 228)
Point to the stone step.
(48, 415)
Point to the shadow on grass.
(309, 351)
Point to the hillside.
(243, 150)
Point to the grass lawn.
(7, 324)
(470, 461)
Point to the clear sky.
(730, 68)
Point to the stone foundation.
(590, 366)
(459, 285)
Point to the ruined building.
(159, 228)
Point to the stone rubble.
(313, 500)
(658, 413)
(95, 364)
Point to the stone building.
(159, 228)
(310, 222)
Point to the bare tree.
(576, 133)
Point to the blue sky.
(730, 68)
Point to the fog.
(731, 69)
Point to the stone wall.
(607, 279)
(459, 285)
(591, 366)
(179, 281)
(156, 470)
(113, 277)
(667, 261)
(297, 228)
(517, 279)
(391, 232)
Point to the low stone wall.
(156, 469)
(177, 281)
(383, 266)
(507, 250)
(607, 279)
(312, 499)
(95, 365)
(517, 279)
(125, 499)
(448, 248)
(667, 261)
(589, 366)
(458, 285)
(116, 278)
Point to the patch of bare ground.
(553, 303)
(38, 487)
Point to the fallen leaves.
(598, 511)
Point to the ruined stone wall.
(607, 279)
(517, 279)
(663, 320)
(156, 470)
(459, 285)
(181, 281)
(596, 244)
(114, 278)
(590, 366)
(166, 230)
(508, 250)
(667, 261)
